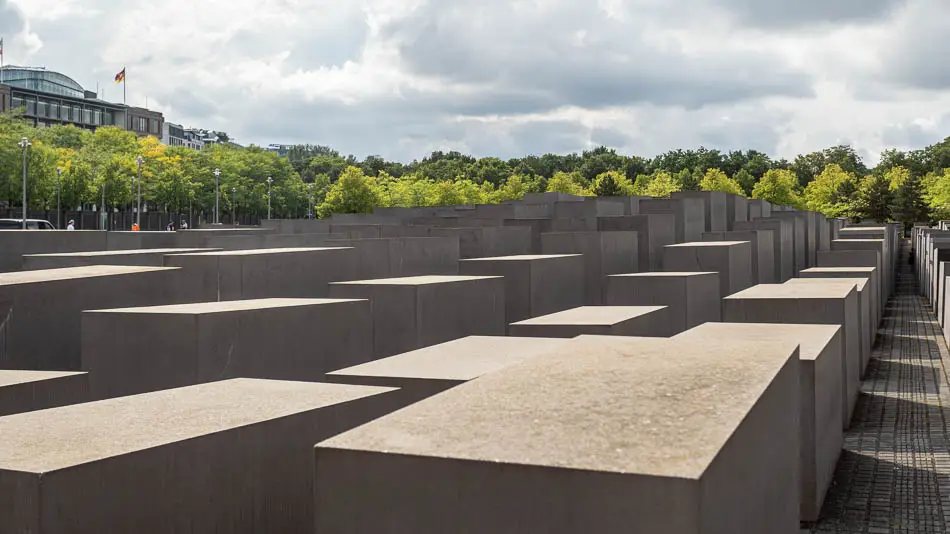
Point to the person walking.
(171, 226)
(71, 225)
(184, 225)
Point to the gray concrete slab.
(864, 303)
(15, 244)
(871, 273)
(759, 209)
(138, 350)
(690, 216)
(268, 273)
(590, 209)
(807, 304)
(654, 231)
(737, 210)
(28, 391)
(419, 311)
(231, 456)
(605, 253)
(693, 298)
(716, 206)
(820, 353)
(731, 259)
(639, 321)
(145, 257)
(535, 285)
(125, 240)
(425, 372)
(539, 447)
(763, 251)
(488, 242)
(43, 327)
(782, 241)
(395, 257)
(877, 245)
(800, 250)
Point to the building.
(178, 135)
(280, 150)
(49, 98)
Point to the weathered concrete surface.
(415, 312)
(871, 273)
(231, 456)
(763, 251)
(27, 391)
(808, 304)
(43, 327)
(690, 216)
(783, 241)
(759, 209)
(820, 353)
(640, 321)
(693, 298)
(716, 208)
(269, 273)
(425, 372)
(876, 245)
(535, 285)
(137, 350)
(394, 257)
(731, 259)
(654, 231)
(605, 253)
(146, 257)
(15, 244)
(693, 415)
(737, 210)
(799, 237)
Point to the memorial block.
(716, 205)
(782, 241)
(835, 304)
(693, 298)
(137, 350)
(731, 259)
(855, 272)
(877, 245)
(737, 210)
(231, 456)
(820, 353)
(759, 209)
(27, 391)
(690, 216)
(867, 331)
(415, 312)
(763, 251)
(395, 257)
(605, 253)
(654, 232)
(147, 258)
(604, 434)
(799, 237)
(638, 321)
(534, 285)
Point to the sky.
(401, 78)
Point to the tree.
(824, 193)
(563, 182)
(746, 180)
(612, 184)
(354, 192)
(778, 187)
(662, 184)
(716, 180)
(909, 204)
(874, 198)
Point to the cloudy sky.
(401, 78)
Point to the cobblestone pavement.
(894, 472)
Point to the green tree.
(746, 181)
(778, 187)
(662, 184)
(567, 183)
(612, 184)
(827, 193)
(353, 192)
(716, 180)
(874, 198)
(909, 203)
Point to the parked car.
(31, 224)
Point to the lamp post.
(217, 193)
(233, 206)
(24, 144)
(269, 182)
(59, 179)
(138, 212)
(310, 201)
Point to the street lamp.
(24, 144)
(269, 182)
(138, 213)
(59, 179)
(233, 206)
(217, 193)
(310, 203)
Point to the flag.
(1, 46)
(120, 77)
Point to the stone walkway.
(894, 472)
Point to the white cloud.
(403, 77)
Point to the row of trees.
(904, 186)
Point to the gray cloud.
(11, 20)
(801, 13)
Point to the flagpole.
(1, 60)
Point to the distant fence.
(89, 220)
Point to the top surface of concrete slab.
(708, 244)
(122, 252)
(69, 273)
(258, 251)
(524, 257)
(54, 439)
(819, 270)
(863, 229)
(860, 282)
(600, 403)
(417, 280)
(796, 291)
(461, 359)
(592, 315)
(812, 338)
(860, 240)
(225, 306)
(659, 273)
(12, 378)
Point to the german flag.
(120, 77)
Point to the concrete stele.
(616, 434)
(641, 321)
(27, 391)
